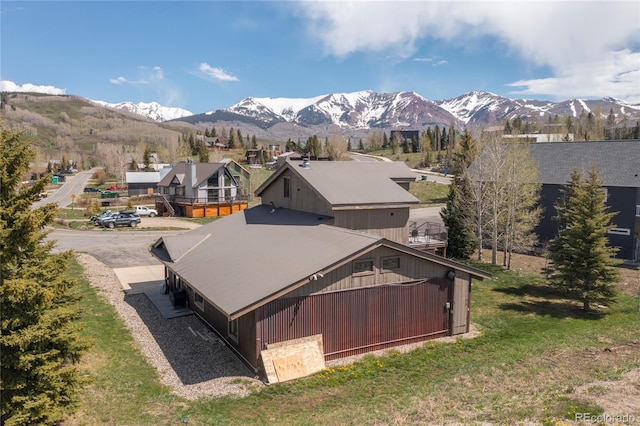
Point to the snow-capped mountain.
(153, 111)
(356, 110)
(363, 110)
(480, 108)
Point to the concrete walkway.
(148, 280)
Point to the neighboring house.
(142, 183)
(202, 190)
(618, 164)
(325, 255)
(371, 197)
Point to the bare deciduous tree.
(335, 147)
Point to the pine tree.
(146, 158)
(582, 261)
(40, 340)
(457, 216)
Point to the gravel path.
(190, 359)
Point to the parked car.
(117, 187)
(108, 194)
(146, 211)
(98, 218)
(91, 189)
(124, 218)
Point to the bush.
(100, 177)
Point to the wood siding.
(302, 196)
(361, 320)
(343, 278)
(390, 223)
(213, 210)
(461, 303)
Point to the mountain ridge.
(371, 110)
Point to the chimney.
(189, 178)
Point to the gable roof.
(244, 260)
(203, 171)
(142, 177)
(618, 162)
(352, 183)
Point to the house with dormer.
(193, 189)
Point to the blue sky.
(207, 55)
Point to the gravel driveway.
(190, 359)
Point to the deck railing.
(429, 234)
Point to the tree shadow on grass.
(550, 302)
(554, 309)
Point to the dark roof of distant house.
(353, 182)
(203, 171)
(618, 162)
(244, 260)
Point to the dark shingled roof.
(203, 171)
(618, 162)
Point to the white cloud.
(153, 79)
(617, 76)
(216, 73)
(119, 80)
(10, 86)
(572, 38)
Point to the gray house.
(324, 255)
(618, 164)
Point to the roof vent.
(305, 163)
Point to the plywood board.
(292, 359)
(290, 367)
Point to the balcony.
(428, 236)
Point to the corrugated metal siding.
(389, 223)
(360, 320)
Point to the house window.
(233, 329)
(165, 190)
(363, 267)
(287, 187)
(199, 300)
(619, 231)
(390, 263)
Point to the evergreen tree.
(40, 339)
(582, 261)
(385, 140)
(349, 148)
(394, 143)
(360, 145)
(203, 152)
(146, 158)
(254, 142)
(233, 143)
(457, 216)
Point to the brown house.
(320, 257)
(203, 189)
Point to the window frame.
(233, 329)
(199, 304)
(286, 187)
(386, 258)
(365, 271)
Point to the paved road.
(116, 248)
(73, 185)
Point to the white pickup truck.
(146, 211)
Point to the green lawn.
(533, 351)
(428, 192)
